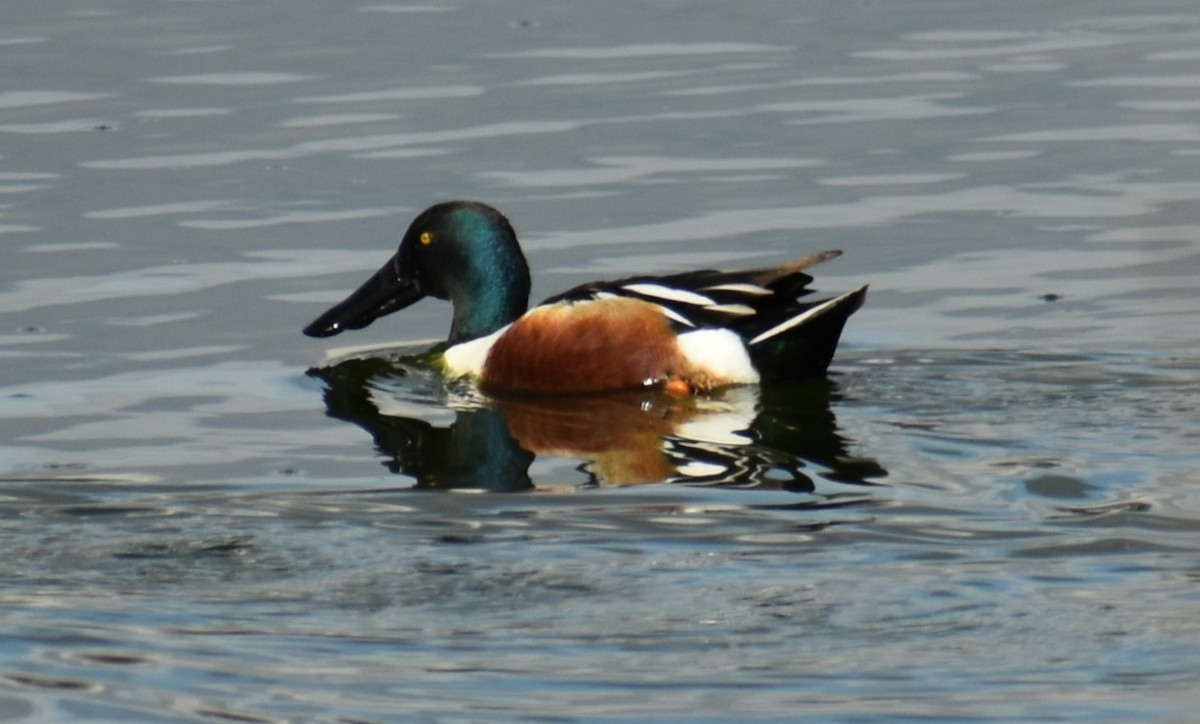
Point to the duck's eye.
(426, 238)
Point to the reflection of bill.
(738, 437)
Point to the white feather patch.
(746, 288)
(671, 313)
(741, 310)
(798, 319)
(720, 354)
(467, 358)
(670, 294)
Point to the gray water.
(989, 512)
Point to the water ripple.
(28, 99)
(644, 50)
(244, 78)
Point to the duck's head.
(463, 251)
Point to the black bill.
(385, 292)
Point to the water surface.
(989, 511)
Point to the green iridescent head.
(463, 251)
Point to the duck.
(686, 333)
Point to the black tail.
(803, 345)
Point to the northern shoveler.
(684, 332)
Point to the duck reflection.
(738, 437)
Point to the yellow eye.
(426, 238)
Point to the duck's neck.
(493, 293)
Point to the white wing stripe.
(670, 294)
(675, 315)
(740, 310)
(798, 319)
(751, 289)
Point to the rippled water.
(990, 510)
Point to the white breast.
(468, 358)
